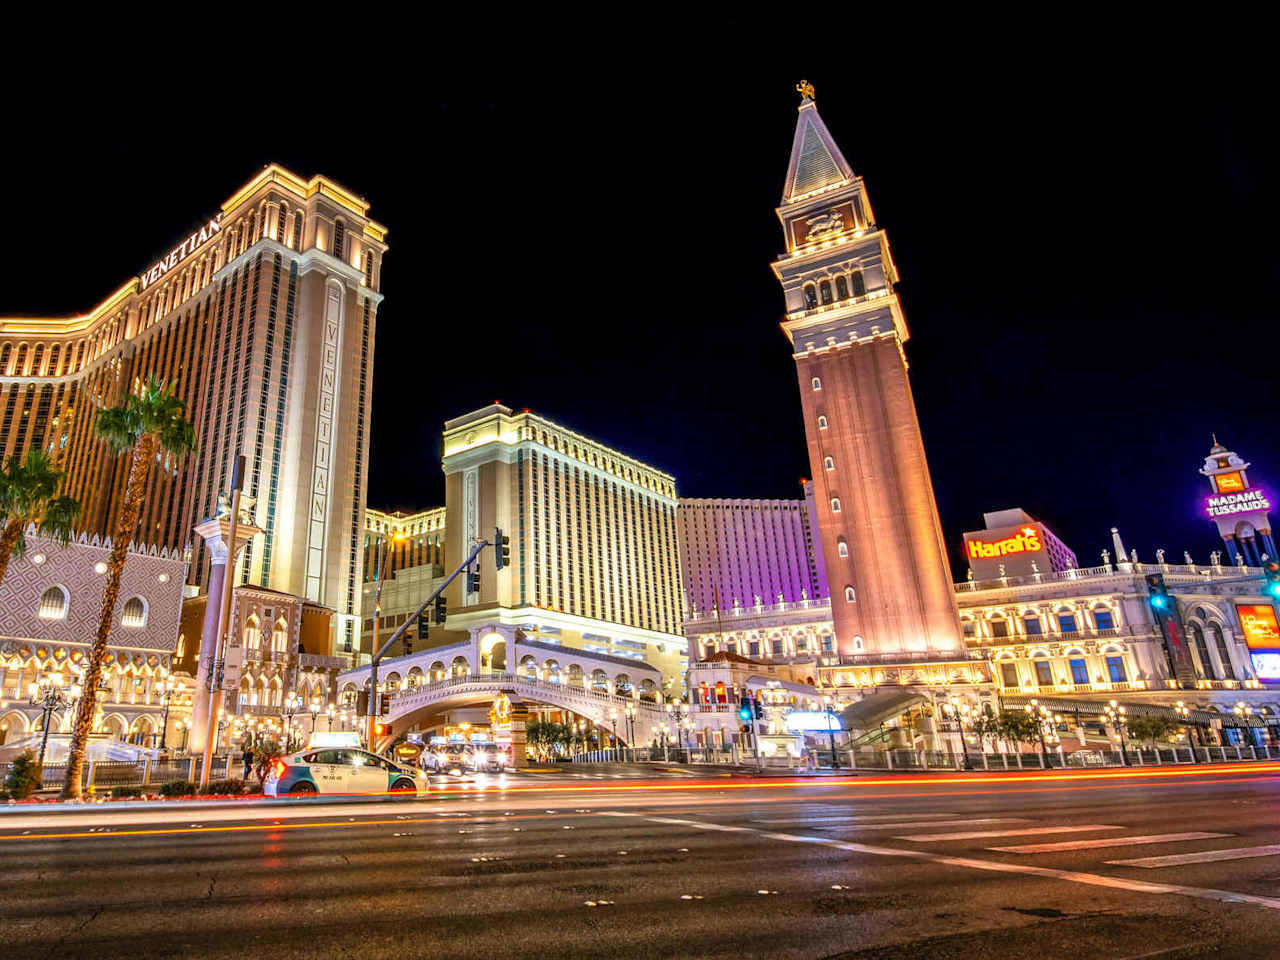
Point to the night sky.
(1087, 252)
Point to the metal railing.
(104, 774)
(426, 692)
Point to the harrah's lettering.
(1247, 501)
(1026, 540)
(182, 251)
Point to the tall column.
(216, 533)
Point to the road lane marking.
(1204, 856)
(1107, 842)
(1071, 876)
(983, 834)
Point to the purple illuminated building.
(743, 552)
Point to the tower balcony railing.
(760, 609)
(1205, 570)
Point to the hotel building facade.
(262, 320)
(595, 559)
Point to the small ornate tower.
(889, 578)
(1240, 511)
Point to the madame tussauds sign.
(182, 251)
(1246, 501)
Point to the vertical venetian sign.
(322, 463)
(470, 519)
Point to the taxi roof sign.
(333, 738)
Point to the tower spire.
(816, 162)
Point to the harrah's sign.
(1026, 540)
(1249, 500)
(182, 251)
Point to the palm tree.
(28, 494)
(149, 422)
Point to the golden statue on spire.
(805, 89)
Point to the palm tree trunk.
(143, 455)
(12, 530)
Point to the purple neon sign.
(1249, 500)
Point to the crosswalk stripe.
(854, 817)
(1107, 842)
(912, 824)
(1204, 856)
(982, 834)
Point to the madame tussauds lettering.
(1226, 504)
(182, 251)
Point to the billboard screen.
(1258, 620)
(1266, 665)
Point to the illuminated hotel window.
(827, 642)
(338, 236)
(1067, 622)
(1009, 673)
(810, 297)
(1103, 620)
(1079, 671)
(817, 384)
(753, 647)
(1031, 626)
(829, 463)
(842, 548)
(842, 288)
(859, 287)
(297, 230)
(849, 595)
(999, 628)
(835, 504)
(775, 647)
(1115, 668)
(822, 423)
(1044, 672)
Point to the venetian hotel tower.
(262, 321)
(889, 578)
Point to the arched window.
(824, 291)
(817, 384)
(859, 287)
(842, 548)
(828, 463)
(54, 603)
(999, 625)
(1202, 650)
(810, 296)
(1031, 625)
(54, 354)
(4, 359)
(1044, 671)
(135, 613)
(842, 288)
(1079, 669)
(835, 504)
(1219, 641)
(849, 595)
(822, 422)
(1066, 620)
(857, 643)
(280, 636)
(252, 633)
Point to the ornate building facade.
(262, 320)
(50, 601)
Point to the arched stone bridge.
(498, 659)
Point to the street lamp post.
(613, 720)
(169, 688)
(49, 695)
(631, 729)
(1115, 715)
(329, 712)
(1242, 709)
(1184, 712)
(314, 710)
(292, 704)
(831, 734)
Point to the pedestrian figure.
(248, 760)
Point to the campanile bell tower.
(889, 577)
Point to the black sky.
(1086, 240)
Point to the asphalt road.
(554, 866)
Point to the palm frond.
(59, 520)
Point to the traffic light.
(362, 703)
(757, 707)
(1271, 570)
(1161, 602)
(473, 580)
(406, 644)
(424, 626)
(380, 729)
(501, 549)
(442, 609)
(746, 711)
(384, 704)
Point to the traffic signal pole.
(374, 698)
